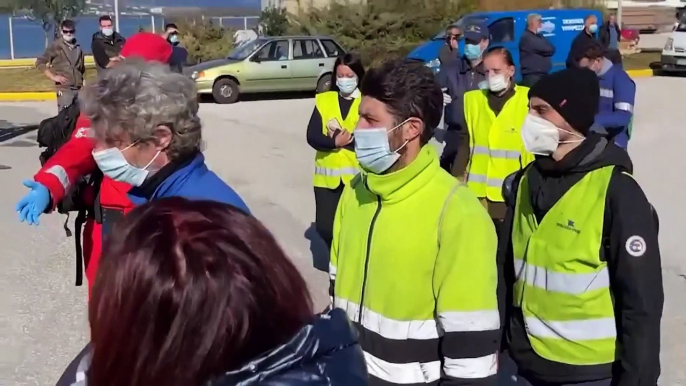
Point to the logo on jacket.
(569, 226)
(83, 132)
(635, 246)
(547, 27)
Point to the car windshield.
(682, 25)
(243, 51)
(459, 24)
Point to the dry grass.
(30, 80)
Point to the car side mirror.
(256, 59)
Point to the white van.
(674, 53)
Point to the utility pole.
(116, 15)
(619, 13)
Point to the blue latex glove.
(31, 206)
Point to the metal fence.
(25, 38)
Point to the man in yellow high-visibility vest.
(583, 255)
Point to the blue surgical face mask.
(472, 51)
(593, 28)
(346, 85)
(173, 39)
(113, 164)
(373, 150)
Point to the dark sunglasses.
(68, 31)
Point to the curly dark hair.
(408, 89)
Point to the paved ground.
(259, 148)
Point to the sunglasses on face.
(68, 31)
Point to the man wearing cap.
(581, 257)
(74, 160)
(464, 74)
(617, 95)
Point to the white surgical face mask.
(541, 136)
(68, 38)
(113, 164)
(346, 85)
(497, 82)
(108, 31)
(373, 150)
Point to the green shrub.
(381, 30)
(205, 41)
(274, 21)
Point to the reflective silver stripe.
(458, 321)
(471, 368)
(481, 179)
(494, 153)
(332, 271)
(403, 373)
(335, 172)
(387, 327)
(61, 174)
(624, 106)
(607, 93)
(572, 330)
(569, 283)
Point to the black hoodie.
(635, 282)
(104, 48)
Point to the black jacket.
(635, 282)
(104, 48)
(324, 353)
(535, 54)
(579, 45)
(604, 34)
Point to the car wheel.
(324, 83)
(225, 91)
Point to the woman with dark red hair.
(198, 293)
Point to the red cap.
(148, 46)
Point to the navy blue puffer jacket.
(324, 353)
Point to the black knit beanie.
(574, 93)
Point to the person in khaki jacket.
(63, 63)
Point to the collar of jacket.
(328, 343)
(165, 179)
(607, 65)
(466, 66)
(398, 185)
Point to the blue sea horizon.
(29, 38)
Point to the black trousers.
(531, 80)
(326, 202)
(452, 144)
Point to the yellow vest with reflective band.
(496, 147)
(339, 165)
(562, 286)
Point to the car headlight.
(197, 75)
(433, 63)
(669, 45)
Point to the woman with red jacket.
(75, 160)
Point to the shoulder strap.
(445, 207)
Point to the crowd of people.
(63, 61)
(531, 243)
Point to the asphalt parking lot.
(259, 148)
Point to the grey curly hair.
(136, 97)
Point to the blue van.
(560, 27)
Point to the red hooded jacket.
(75, 160)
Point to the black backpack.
(53, 133)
